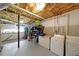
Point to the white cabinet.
(44, 41)
(57, 44)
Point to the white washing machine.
(44, 41)
(57, 44)
(72, 46)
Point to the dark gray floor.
(26, 49)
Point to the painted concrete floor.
(26, 49)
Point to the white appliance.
(44, 41)
(72, 46)
(57, 44)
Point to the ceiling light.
(39, 7)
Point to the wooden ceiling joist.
(57, 9)
(22, 11)
(50, 10)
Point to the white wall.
(49, 25)
(74, 23)
(68, 21)
(68, 24)
(72, 45)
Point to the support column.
(18, 31)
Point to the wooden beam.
(24, 12)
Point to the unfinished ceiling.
(22, 12)
(50, 9)
(10, 12)
(13, 17)
(29, 12)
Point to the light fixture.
(39, 7)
